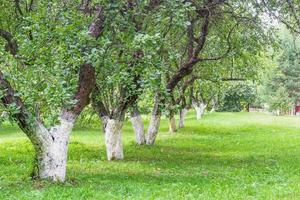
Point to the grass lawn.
(222, 156)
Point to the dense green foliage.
(51, 44)
(237, 97)
(281, 86)
(224, 156)
(142, 45)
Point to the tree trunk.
(113, 140)
(52, 159)
(51, 152)
(182, 114)
(153, 129)
(154, 122)
(138, 126)
(200, 108)
(214, 106)
(198, 112)
(203, 107)
(172, 124)
(104, 120)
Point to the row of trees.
(59, 57)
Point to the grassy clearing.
(223, 156)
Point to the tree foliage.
(281, 87)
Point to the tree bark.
(182, 114)
(198, 112)
(104, 120)
(138, 126)
(153, 129)
(172, 124)
(200, 108)
(214, 105)
(113, 140)
(154, 122)
(51, 155)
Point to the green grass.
(223, 156)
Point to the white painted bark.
(52, 152)
(214, 105)
(203, 105)
(113, 140)
(153, 129)
(182, 114)
(172, 125)
(4, 114)
(198, 112)
(154, 122)
(104, 120)
(200, 109)
(138, 127)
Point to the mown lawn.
(223, 156)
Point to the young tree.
(204, 92)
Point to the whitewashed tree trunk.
(104, 120)
(200, 109)
(153, 129)
(113, 140)
(52, 151)
(182, 114)
(203, 105)
(154, 122)
(172, 125)
(278, 112)
(138, 127)
(52, 159)
(198, 112)
(214, 105)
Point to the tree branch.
(202, 38)
(8, 98)
(228, 48)
(86, 84)
(97, 26)
(11, 44)
(279, 18)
